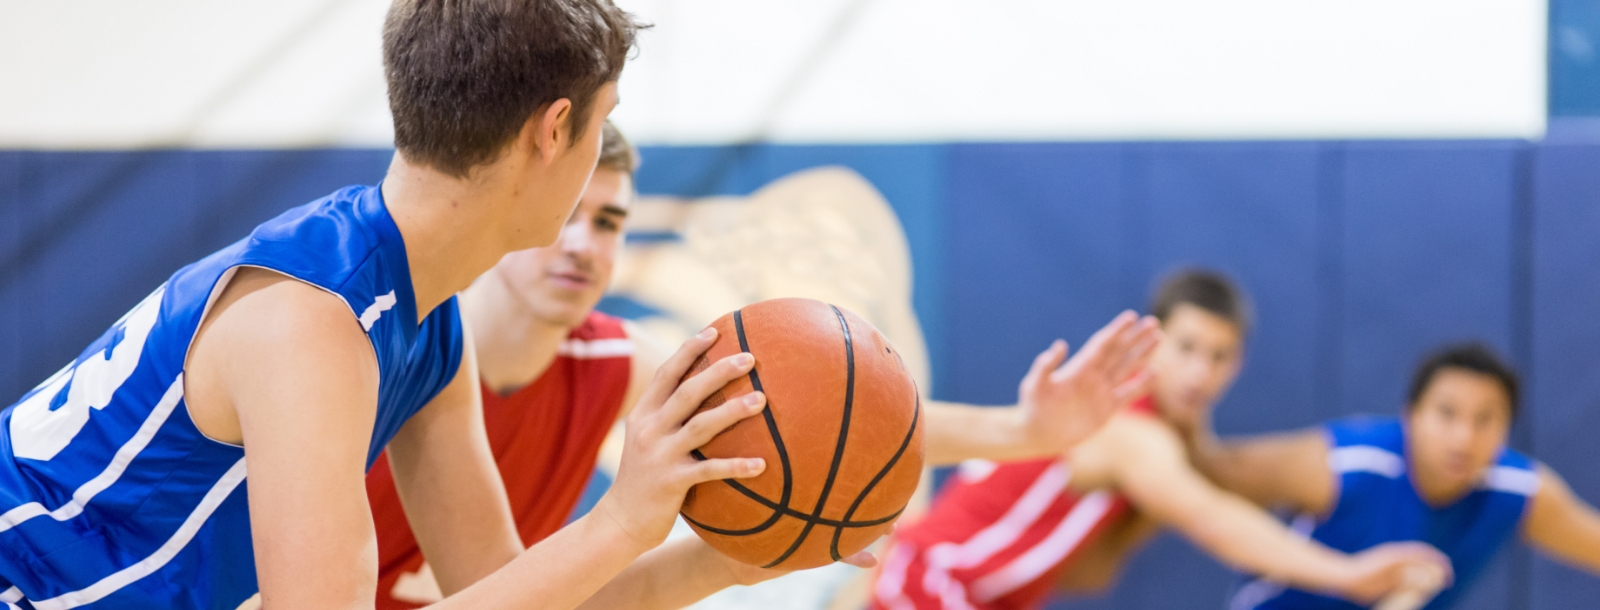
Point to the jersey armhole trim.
(1336, 478)
(216, 292)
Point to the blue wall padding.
(91, 233)
(1360, 255)
(1565, 389)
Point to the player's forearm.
(668, 577)
(959, 432)
(1249, 540)
(558, 573)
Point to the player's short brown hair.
(1472, 357)
(465, 75)
(1209, 290)
(616, 153)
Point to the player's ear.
(548, 131)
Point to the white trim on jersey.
(370, 316)
(149, 565)
(119, 464)
(1002, 533)
(10, 597)
(1055, 547)
(975, 470)
(1511, 480)
(1366, 458)
(595, 348)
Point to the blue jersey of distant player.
(1377, 504)
(109, 495)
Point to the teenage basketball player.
(1002, 536)
(1439, 473)
(297, 354)
(555, 375)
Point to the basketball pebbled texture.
(841, 436)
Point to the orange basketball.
(841, 435)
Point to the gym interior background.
(1382, 178)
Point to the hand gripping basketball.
(657, 467)
(841, 434)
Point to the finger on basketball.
(694, 390)
(864, 559)
(717, 469)
(700, 429)
(673, 368)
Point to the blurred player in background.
(1003, 536)
(1439, 473)
(556, 375)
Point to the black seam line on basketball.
(800, 516)
(784, 510)
(839, 445)
(833, 550)
(782, 506)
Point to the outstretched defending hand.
(657, 470)
(1394, 571)
(1062, 404)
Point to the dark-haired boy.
(1440, 473)
(1003, 536)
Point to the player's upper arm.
(449, 484)
(1152, 471)
(1560, 523)
(294, 365)
(1283, 470)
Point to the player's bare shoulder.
(1126, 438)
(259, 317)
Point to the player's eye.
(606, 223)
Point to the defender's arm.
(1060, 402)
(1149, 467)
(1281, 470)
(1562, 524)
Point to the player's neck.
(514, 344)
(448, 228)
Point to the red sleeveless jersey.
(545, 438)
(995, 538)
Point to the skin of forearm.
(668, 577)
(959, 432)
(1243, 537)
(559, 573)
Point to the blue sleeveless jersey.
(1377, 504)
(109, 495)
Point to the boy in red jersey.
(556, 375)
(1003, 536)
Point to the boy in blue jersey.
(1440, 473)
(213, 443)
